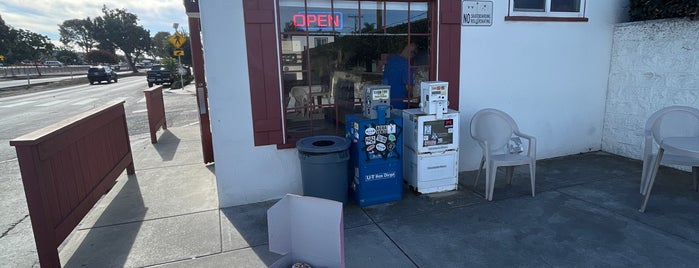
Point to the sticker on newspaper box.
(370, 148)
(391, 146)
(368, 140)
(370, 131)
(386, 129)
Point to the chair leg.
(651, 178)
(647, 165)
(488, 170)
(491, 182)
(510, 171)
(695, 174)
(480, 167)
(532, 174)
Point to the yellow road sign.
(177, 40)
(178, 52)
(2, 57)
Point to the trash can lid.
(322, 144)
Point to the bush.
(186, 79)
(663, 9)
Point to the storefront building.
(281, 70)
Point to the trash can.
(324, 166)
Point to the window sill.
(554, 19)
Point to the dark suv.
(101, 73)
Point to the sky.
(44, 16)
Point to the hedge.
(662, 9)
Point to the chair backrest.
(494, 126)
(673, 121)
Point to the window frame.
(289, 142)
(547, 14)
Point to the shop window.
(309, 60)
(553, 10)
(331, 49)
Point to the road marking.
(85, 101)
(140, 111)
(51, 103)
(141, 100)
(17, 104)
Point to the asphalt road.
(22, 114)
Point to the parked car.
(101, 73)
(52, 63)
(158, 75)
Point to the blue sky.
(44, 16)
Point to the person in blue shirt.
(398, 75)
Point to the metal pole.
(179, 59)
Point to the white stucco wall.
(551, 77)
(654, 64)
(244, 173)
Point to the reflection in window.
(541, 5)
(530, 5)
(331, 49)
(565, 5)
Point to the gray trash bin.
(324, 166)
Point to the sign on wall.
(477, 13)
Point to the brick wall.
(654, 64)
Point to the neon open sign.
(319, 20)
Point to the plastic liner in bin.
(324, 166)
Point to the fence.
(156, 111)
(67, 167)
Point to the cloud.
(44, 16)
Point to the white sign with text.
(477, 13)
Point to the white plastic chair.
(493, 129)
(672, 121)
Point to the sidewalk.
(167, 211)
(585, 213)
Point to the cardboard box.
(308, 230)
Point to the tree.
(101, 56)
(18, 44)
(77, 32)
(67, 56)
(119, 29)
(30, 45)
(157, 45)
(4, 37)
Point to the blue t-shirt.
(396, 74)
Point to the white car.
(51, 63)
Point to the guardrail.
(156, 111)
(67, 167)
(35, 71)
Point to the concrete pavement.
(584, 214)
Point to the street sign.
(177, 40)
(2, 57)
(178, 52)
